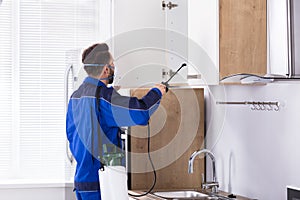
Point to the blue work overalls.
(93, 109)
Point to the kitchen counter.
(153, 197)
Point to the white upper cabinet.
(203, 33)
(152, 38)
(278, 37)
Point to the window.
(35, 36)
(6, 90)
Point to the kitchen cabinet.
(151, 41)
(146, 42)
(203, 34)
(177, 130)
(283, 38)
(216, 38)
(294, 36)
(243, 37)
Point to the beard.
(111, 77)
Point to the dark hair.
(96, 54)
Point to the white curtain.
(35, 38)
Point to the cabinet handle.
(169, 5)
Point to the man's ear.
(106, 69)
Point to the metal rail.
(255, 105)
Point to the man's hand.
(161, 87)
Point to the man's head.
(98, 62)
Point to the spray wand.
(166, 83)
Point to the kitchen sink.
(180, 194)
(188, 194)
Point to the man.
(94, 109)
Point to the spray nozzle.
(166, 83)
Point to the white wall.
(257, 152)
(37, 191)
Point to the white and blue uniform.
(95, 114)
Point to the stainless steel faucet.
(205, 185)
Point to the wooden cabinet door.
(177, 130)
(243, 37)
